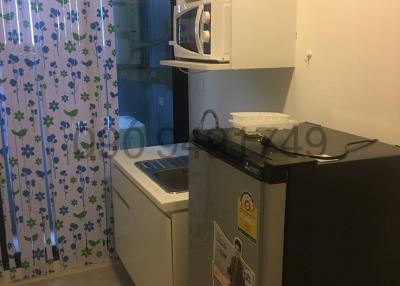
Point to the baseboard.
(69, 271)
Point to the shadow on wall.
(233, 91)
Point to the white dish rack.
(252, 123)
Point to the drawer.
(142, 234)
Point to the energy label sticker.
(247, 216)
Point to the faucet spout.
(203, 118)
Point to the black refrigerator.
(309, 206)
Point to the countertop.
(125, 160)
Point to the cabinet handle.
(121, 198)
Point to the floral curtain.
(58, 107)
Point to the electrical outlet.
(161, 101)
(200, 86)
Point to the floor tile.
(114, 275)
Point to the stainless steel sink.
(169, 173)
(176, 179)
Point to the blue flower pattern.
(58, 74)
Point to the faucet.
(203, 118)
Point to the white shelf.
(196, 65)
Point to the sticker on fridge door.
(247, 216)
(229, 268)
(238, 269)
(222, 252)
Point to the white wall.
(352, 82)
(231, 91)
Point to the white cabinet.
(145, 236)
(263, 36)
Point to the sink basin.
(175, 179)
(169, 173)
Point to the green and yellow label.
(247, 217)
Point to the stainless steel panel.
(200, 219)
(215, 190)
(228, 184)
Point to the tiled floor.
(109, 276)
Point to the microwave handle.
(197, 28)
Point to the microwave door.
(187, 31)
(198, 29)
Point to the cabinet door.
(142, 233)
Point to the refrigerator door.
(200, 219)
(226, 209)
